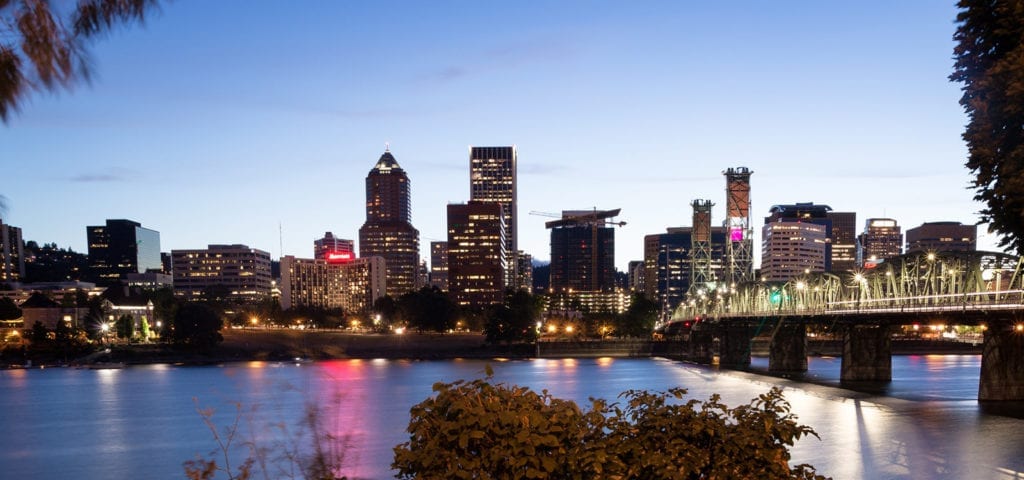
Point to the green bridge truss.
(917, 279)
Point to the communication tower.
(739, 242)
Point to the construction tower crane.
(594, 219)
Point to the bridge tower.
(739, 243)
(701, 274)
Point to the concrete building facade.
(330, 244)
(12, 254)
(942, 237)
(843, 241)
(231, 272)
(352, 286)
(881, 240)
(792, 249)
(477, 259)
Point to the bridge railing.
(1007, 299)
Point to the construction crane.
(595, 219)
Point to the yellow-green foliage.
(480, 430)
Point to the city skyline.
(610, 106)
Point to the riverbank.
(288, 345)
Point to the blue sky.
(216, 121)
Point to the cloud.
(541, 169)
(114, 174)
(504, 58)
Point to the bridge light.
(1019, 327)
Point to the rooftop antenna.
(387, 146)
(280, 241)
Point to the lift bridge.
(985, 289)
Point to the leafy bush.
(481, 430)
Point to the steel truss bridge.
(945, 282)
(957, 288)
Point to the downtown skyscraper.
(492, 179)
(121, 247)
(388, 231)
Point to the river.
(141, 421)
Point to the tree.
(44, 48)
(125, 327)
(9, 310)
(428, 309)
(387, 308)
(165, 308)
(515, 320)
(197, 325)
(639, 318)
(40, 334)
(482, 430)
(990, 65)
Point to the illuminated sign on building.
(339, 257)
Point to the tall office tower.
(439, 265)
(843, 241)
(351, 285)
(583, 251)
(477, 259)
(226, 272)
(343, 249)
(701, 275)
(668, 265)
(422, 275)
(740, 244)
(524, 271)
(388, 231)
(942, 237)
(12, 254)
(120, 247)
(804, 213)
(492, 178)
(881, 239)
(635, 270)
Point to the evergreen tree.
(990, 65)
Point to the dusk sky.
(215, 122)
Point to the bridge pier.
(734, 346)
(867, 354)
(787, 352)
(699, 348)
(1002, 364)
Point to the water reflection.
(142, 423)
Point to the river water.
(141, 422)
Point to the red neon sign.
(339, 257)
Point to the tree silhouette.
(990, 65)
(9, 310)
(198, 326)
(44, 48)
